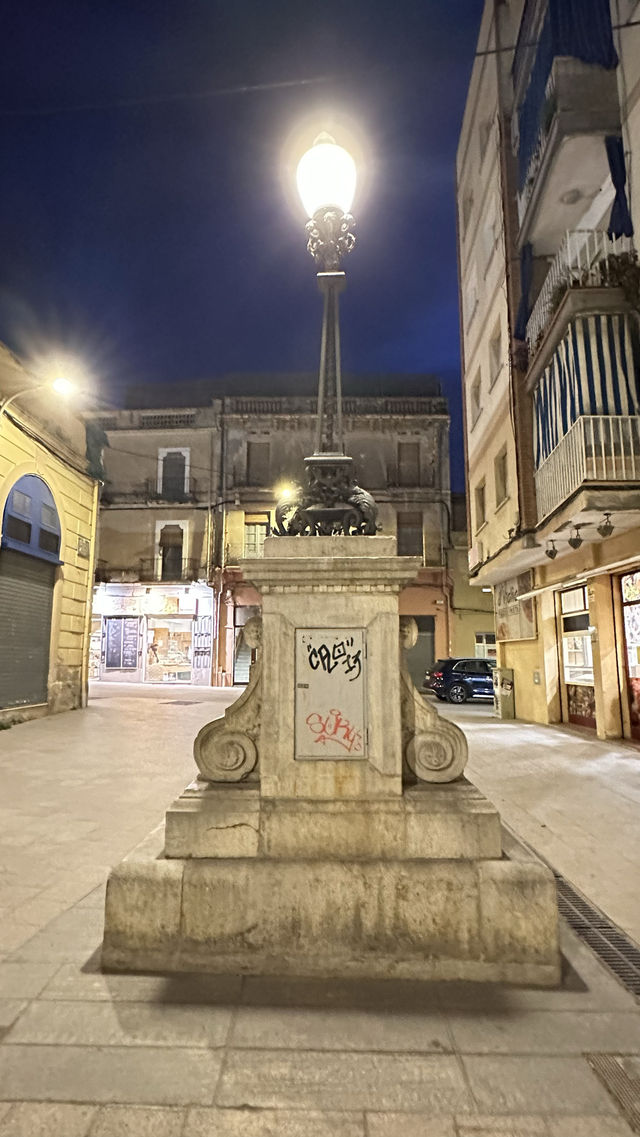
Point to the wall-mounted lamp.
(575, 540)
(551, 552)
(605, 529)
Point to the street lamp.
(60, 385)
(332, 502)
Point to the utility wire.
(154, 100)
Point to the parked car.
(461, 679)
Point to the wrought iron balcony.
(597, 449)
(150, 569)
(559, 138)
(171, 491)
(587, 258)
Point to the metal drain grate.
(610, 944)
(621, 1077)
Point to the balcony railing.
(150, 569)
(597, 448)
(587, 258)
(182, 490)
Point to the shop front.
(578, 681)
(152, 633)
(630, 590)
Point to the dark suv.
(461, 679)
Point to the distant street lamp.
(61, 386)
(332, 502)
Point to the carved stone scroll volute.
(433, 749)
(227, 749)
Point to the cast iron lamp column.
(332, 501)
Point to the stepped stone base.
(414, 888)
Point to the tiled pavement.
(89, 1055)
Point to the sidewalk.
(572, 798)
(87, 1055)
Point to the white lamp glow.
(326, 176)
(63, 386)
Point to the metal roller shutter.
(26, 595)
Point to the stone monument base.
(413, 888)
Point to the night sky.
(148, 218)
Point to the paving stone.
(123, 1074)
(588, 1127)
(137, 1121)
(29, 1119)
(71, 982)
(121, 1024)
(507, 1084)
(281, 1079)
(515, 1126)
(273, 1123)
(338, 1030)
(530, 1032)
(409, 1125)
(364, 994)
(9, 1011)
(24, 980)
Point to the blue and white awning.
(595, 370)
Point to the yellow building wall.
(75, 496)
(524, 657)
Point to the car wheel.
(457, 693)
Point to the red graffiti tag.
(334, 728)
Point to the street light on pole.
(332, 502)
(60, 386)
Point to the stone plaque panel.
(330, 693)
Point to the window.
(173, 473)
(476, 406)
(479, 497)
(170, 545)
(254, 537)
(31, 523)
(576, 641)
(257, 463)
(500, 474)
(409, 534)
(471, 295)
(495, 355)
(467, 207)
(408, 464)
(485, 645)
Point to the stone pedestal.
(331, 830)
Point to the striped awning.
(595, 370)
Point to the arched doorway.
(29, 555)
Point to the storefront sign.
(515, 618)
(330, 693)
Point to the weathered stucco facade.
(549, 285)
(41, 439)
(203, 478)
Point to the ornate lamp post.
(332, 502)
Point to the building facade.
(547, 184)
(191, 491)
(48, 511)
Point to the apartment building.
(48, 511)
(192, 481)
(548, 182)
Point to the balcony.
(586, 259)
(171, 492)
(597, 449)
(559, 139)
(149, 569)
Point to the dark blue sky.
(154, 234)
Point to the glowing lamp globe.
(63, 386)
(326, 177)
